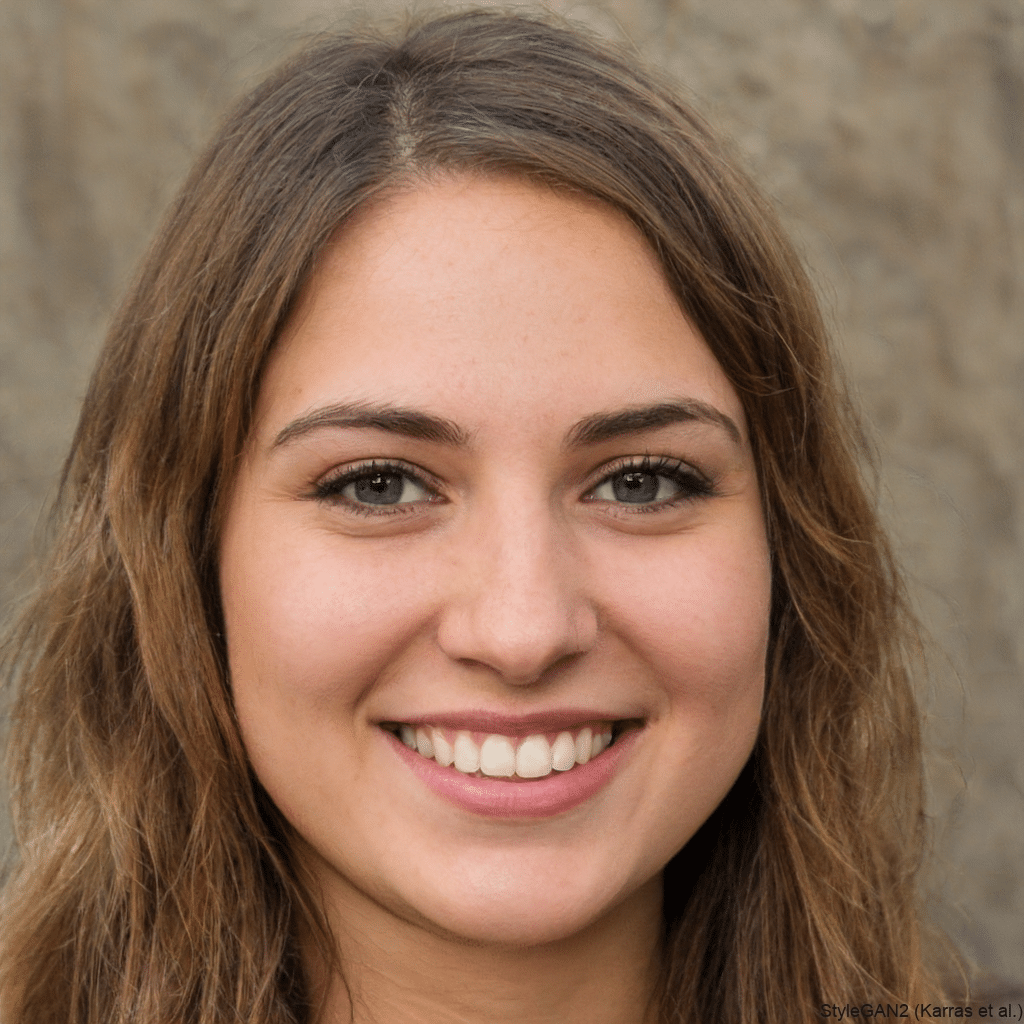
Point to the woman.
(465, 603)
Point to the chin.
(507, 923)
(533, 907)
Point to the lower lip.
(501, 798)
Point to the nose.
(517, 603)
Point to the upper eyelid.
(658, 464)
(366, 466)
(327, 489)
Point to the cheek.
(312, 626)
(697, 610)
(689, 619)
(308, 621)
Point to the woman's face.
(499, 500)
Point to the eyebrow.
(426, 427)
(379, 416)
(635, 420)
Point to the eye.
(374, 487)
(660, 483)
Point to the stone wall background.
(891, 134)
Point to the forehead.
(488, 297)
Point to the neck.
(399, 972)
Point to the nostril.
(516, 611)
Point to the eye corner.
(330, 488)
(690, 483)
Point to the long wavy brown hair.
(153, 880)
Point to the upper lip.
(512, 725)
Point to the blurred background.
(890, 133)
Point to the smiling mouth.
(494, 755)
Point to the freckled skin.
(516, 584)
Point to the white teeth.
(533, 758)
(467, 753)
(498, 757)
(584, 746)
(602, 740)
(443, 752)
(563, 752)
(423, 743)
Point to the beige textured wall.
(891, 133)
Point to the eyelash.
(692, 484)
(329, 490)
